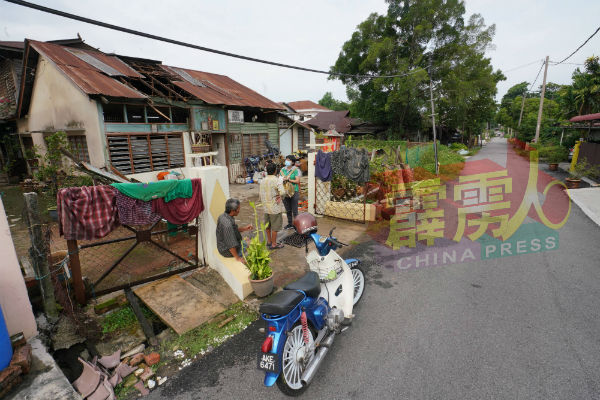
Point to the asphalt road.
(525, 326)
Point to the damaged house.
(138, 115)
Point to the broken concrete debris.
(97, 382)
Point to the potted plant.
(258, 258)
(580, 169)
(555, 156)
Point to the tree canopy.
(336, 105)
(415, 41)
(561, 102)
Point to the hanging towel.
(135, 212)
(169, 189)
(323, 166)
(183, 210)
(86, 213)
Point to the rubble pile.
(100, 376)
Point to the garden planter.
(553, 166)
(572, 183)
(263, 287)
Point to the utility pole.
(435, 154)
(539, 120)
(522, 106)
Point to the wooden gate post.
(76, 271)
(39, 254)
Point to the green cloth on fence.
(172, 228)
(169, 189)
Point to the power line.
(193, 46)
(537, 76)
(577, 49)
(523, 66)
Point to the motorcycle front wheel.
(358, 278)
(293, 361)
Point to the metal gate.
(340, 198)
(132, 256)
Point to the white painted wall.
(285, 140)
(57, 104)
(13, 293)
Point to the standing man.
(290, 177)
(229, 238)
(270, 196)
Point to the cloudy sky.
(307, 33)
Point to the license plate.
(268, 362)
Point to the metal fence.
(131, 256)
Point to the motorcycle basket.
(328, 271)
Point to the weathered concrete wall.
(13, 293)
(57, 104)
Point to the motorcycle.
(303, 320)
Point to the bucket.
(5, 346)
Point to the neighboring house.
(296, 135)
(138, 115)
(335, 123)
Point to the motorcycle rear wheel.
(289, 381)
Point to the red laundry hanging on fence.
(182, 210)
(86, 213)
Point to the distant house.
(136, 114)
(294, 133)
(335, 123)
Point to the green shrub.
(458, 147)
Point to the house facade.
(294, 133)
(138, 115)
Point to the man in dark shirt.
(229, 238)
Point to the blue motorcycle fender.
(351, 261)
(279, 340)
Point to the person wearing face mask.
(290, 176)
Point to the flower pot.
(553, 166)
(572, 183)
(263, 287)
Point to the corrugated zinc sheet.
(306, 105)
(86, 76)
(220, 89)
(587, 117)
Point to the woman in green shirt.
(290, 174)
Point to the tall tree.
(336, 105)
(411, 37)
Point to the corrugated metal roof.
(12, 45)
(306, 105)
(89, 78)
(587, 117)
(220, 89)
(324, 120)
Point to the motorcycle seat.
(309, 284)
(281, 303)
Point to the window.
(135, 114)
(157, 115)
(113, 112)
(79, 149)
(254, 144)
(147, 152)
(179, 115)
(303, 138)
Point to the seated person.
(229, 238)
